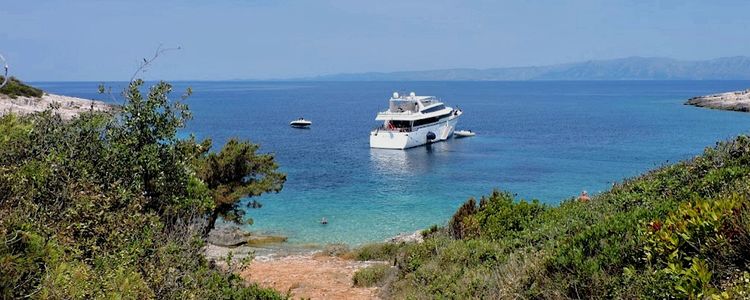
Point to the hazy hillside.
(632, 68)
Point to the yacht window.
(400, 124)
(430, 120)
(433, 109)
(402, 106)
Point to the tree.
(114, 205)
(235, 172)
(148, 129)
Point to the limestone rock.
(407, 237)
(228, 237)
(736, 101)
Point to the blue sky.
(235, 39)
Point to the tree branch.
(5, 76)
(146, 62)
(141, 68)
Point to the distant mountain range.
(631, 68)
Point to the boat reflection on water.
(410, 162)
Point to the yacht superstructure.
(412, 121)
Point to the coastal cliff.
(736, 101)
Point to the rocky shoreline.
(241, 244)
(734, 101)
(67, 106)
(406, 237)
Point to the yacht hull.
(386, 139)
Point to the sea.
(544, 140)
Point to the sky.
(96, 40)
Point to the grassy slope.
(15, 88)
(678, 231)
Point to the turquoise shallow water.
(543, 140)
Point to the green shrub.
(371, 276)
(460, 225)
(499, 216)
(14, 88)
(698, 232)
(376, 251)
(106, 206)
(503, 248)
(432, 230)
(336, 250)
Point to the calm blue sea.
(539, 140)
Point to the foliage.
(235, 172)
(371, 276)
(337, 249)
(432, 230)
(498, 216)
(109, 206)
(677, 231)
(696, 233)
(14, 88)
(456, 226)
(375, 251)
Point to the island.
(735, 101)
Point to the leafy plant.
(111, 206)
(371, 276)
(14, 88)
(677, 231)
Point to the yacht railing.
(400, 113)
(392, 129)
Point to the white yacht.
(412, 121)
(300, 123)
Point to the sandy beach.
(305, 272)
(69, 106)
(310, 276)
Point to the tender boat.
(412, 121)
(464, 133)
(300, 123)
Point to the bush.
(373, 275)
(335, 250)
(460, 225)
(376, 251)
(677, 231)
(111, 207)
(499, 216)
(433, 230)
(14, 88)
(698, 232)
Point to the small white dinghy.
(464, 133)
(300, 123)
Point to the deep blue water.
(543, 140)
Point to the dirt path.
(309, 276)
